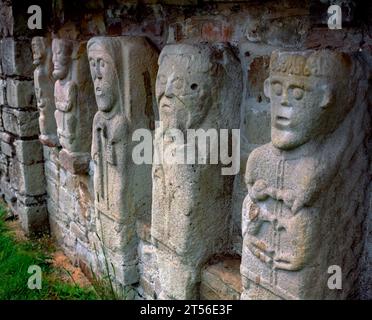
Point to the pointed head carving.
(105, 60)
(38, 50)
(62, 57)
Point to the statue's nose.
(284, 100)
(98, 71)
(169, 88)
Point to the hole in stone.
(247, 54)
(194, 86)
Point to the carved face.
(38, 50)
(183, 92)
(298, 107)
(104, 77)
(61, 58)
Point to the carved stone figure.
(198, 87)
(6, 19)
(123, 70)
(74, 99)
(305, 201)
(44, 90)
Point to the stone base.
(256, 292)
(34, 219)
(50, 141)
(75, 163)
(221, 281)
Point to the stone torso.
(66, 100)
(109, 152)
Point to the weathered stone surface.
(28, 151)
(254, 29)
(51, 154)
(16, 57)
(51, 171)
(20, 123)
(221, 281)
(74, 162)
(198, 86)
(2, 91)
(34, 219)
(44, 90)
(27, 179)
(123, 70)
(20, 94)
(304, 207)
(6, 19)
(74, 100)
(7, 144)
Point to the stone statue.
(123, 70)
(304, 207)
(74, 99)
(198, 87)
(44, 90)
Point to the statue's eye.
(92, 63)
(102, 64)
(277, 89)
(298, 93)
(178, 83)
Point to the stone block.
(34, 219)
(51, 154)
(3, 164)
(148, 289)
(57, 229)
(28, 151)
(79, 231)
(68, 181)
(17, 57)
(144, 231)
(221, 281)
(76, 163)
(52, 190)
(2, 92)
(51, 172)
(30, 200)
(27, 179)
(67, 202)
(20, 93)
(7, 148)
(21, 123)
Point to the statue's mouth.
(166, 107)
(282, 121)
(99, 91)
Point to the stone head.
(186, 79)
(38, 50)
(103, 54)
(62, 57)
(309, 95)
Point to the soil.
(63, 269)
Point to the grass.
(16, 257)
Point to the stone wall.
(53, 185)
